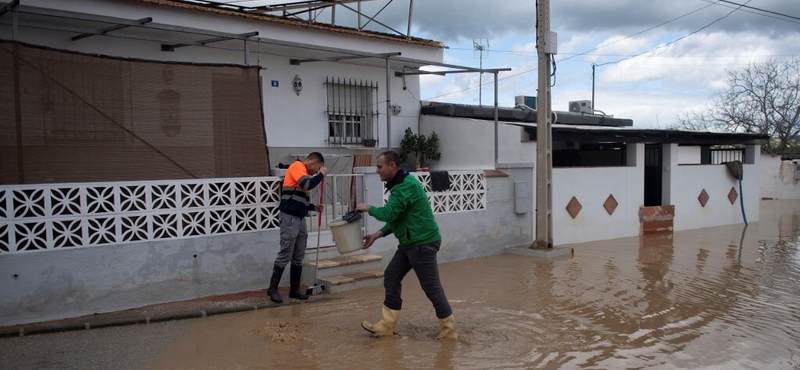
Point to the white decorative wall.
(592, 187)
(57, 216)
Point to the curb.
(99, 321)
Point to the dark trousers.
(422, 259)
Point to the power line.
(739, 6)
(533, 53)
(759, 9)
(586, 52)
(674, 41)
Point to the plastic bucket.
(346, 236)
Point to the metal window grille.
(722, 155)
(352, 110)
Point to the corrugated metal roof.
(592, 128)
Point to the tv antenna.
(480, 45)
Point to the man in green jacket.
(409, 217)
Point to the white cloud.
(650, 89)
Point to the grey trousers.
(293, 240)
(422, 259)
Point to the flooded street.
(715, 298)
(722, 298)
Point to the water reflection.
(724, 297)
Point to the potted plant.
(424, 148)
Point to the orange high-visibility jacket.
(296, 186)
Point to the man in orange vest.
(301, 177)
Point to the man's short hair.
(391, 156)
(317, 156)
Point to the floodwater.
(715, 298)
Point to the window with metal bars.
(352, 111)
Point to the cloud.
(668, 77)
(623, 16)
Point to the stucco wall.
(48, 285)
(690, 180)
(778, 178)
(591, 187)
(469, 143)
(70, 282)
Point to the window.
(577, 154)
(352, 111)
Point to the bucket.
(346, 235)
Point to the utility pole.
(546, 47)
(593, 105)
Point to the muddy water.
(721, 298)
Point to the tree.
(762, 98)
(423, 148)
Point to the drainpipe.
(388, 109)
(246, 52)
(496, 124)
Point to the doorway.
(653, 156)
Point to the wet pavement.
(714, 298)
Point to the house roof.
(520, 115)
(563, 132)
(171, 37)
(570, 126)
(237, 12)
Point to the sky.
(654, 59)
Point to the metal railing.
(341, 194)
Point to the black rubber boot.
(272, 292)
(294, 289)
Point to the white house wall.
(74, 282)
(300, 120)
(689, 155)
(469, 143)
(690, 180)
(779, 178)
(592, 186)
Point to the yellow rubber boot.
(448, 328)
(385, 326)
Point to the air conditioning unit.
(581, 106)
(525, 100)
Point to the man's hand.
(323, 170)
(319, 207)
(363, 207)
(369, 239)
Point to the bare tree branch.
(762, 98)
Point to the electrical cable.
(674, 41)
(759, 9)
(576, 55)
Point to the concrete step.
(355, 280)
(325, 252)
(341, 265)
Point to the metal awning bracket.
(111, 28)
(8, 7)
(172, 47)
(297, 62)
